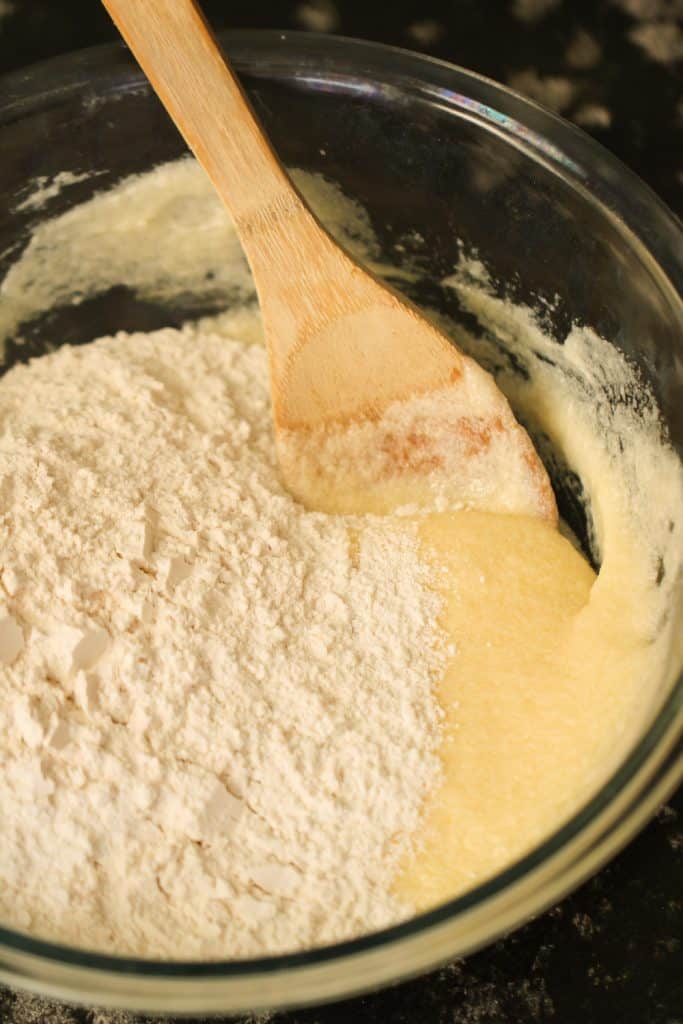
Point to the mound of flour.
(217, 724)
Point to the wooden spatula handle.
(350, 360)
(176, 50)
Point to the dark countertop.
(611, 952)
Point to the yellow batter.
(532, 691)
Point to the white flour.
(217, 727)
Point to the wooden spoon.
(373, 406)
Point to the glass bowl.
(432, 152)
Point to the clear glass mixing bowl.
(427, 148)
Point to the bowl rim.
(646, 775)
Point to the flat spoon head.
(373, 407)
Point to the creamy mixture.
(230, 726)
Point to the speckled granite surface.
(612, 951)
